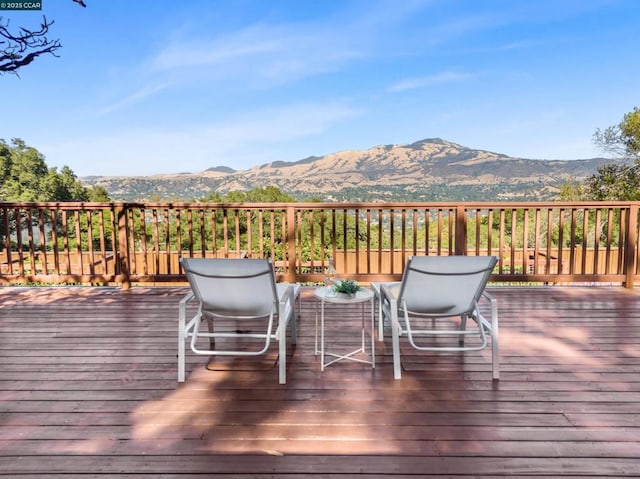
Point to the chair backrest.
(240, 288)
(444, 285)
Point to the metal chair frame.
(427, 290)
(238, 289)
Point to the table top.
(330, 296)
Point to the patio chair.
(240, 290)
(438, 288)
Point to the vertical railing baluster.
(54, 241)
(501, 240)
(631, 245)
(427, 235)
(585, 240)
(143, 240)
(89, 217)
(525, 241)
(236, 224)
(178, 236)
(380, 218)
(261, 232)
(203, 232)
(190, 230)
(312, 240)
(596, 240)
(44, 267)
(561, 216)
(357, 238)
(368, 240)
(103, 243)
(272, 231)
(536, 240)
(345, 243)
(392, 249)
(572, 242)
(249, 236)
(549, 240)
(403, 236)
(289, 242)
(31, 246)
(607, 261)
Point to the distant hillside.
(427, 170)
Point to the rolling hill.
(427, 170)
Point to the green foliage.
(619, 180)
(615, 182)
(622, 139)
(98, 194)
(573, 191)
(346, 286)
(268, 194)
(24, 176)
(630, 132)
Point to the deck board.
(88, 389)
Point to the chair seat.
(437, 287)
(241, 290)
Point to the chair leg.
(495, 351)
(181, 345)
(395, 341)
(282, 356)
(294, 328)
(380, 318)
(212, 340)
(495, 342)
(495, 358)
(463, 326)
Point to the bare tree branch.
(20, 49)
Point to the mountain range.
(427, 170)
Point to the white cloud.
(241, 143)
(241, 45)
(258, 57)
(427, 81)
(135, 97)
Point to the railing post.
(123, 259)
(461, 231)
(631, 245)
(291, 244)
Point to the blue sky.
(154, 86)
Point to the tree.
(268, 194)
(623, 139)
(615, 182)
(619, 179)
(20, 48)
(573, 191)
(24, 176)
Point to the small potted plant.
(346, 288)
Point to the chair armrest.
(493, 305)
(386, 291)
(188, 298)
(286, 299)
(182, 313)
(388, 298)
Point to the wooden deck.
(88, 390)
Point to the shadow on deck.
(88, 389)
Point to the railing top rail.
(328, 205)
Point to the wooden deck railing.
(125, 243)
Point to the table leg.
(373, 328)
(315, 337)
(322, 335)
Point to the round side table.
(326, 295)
